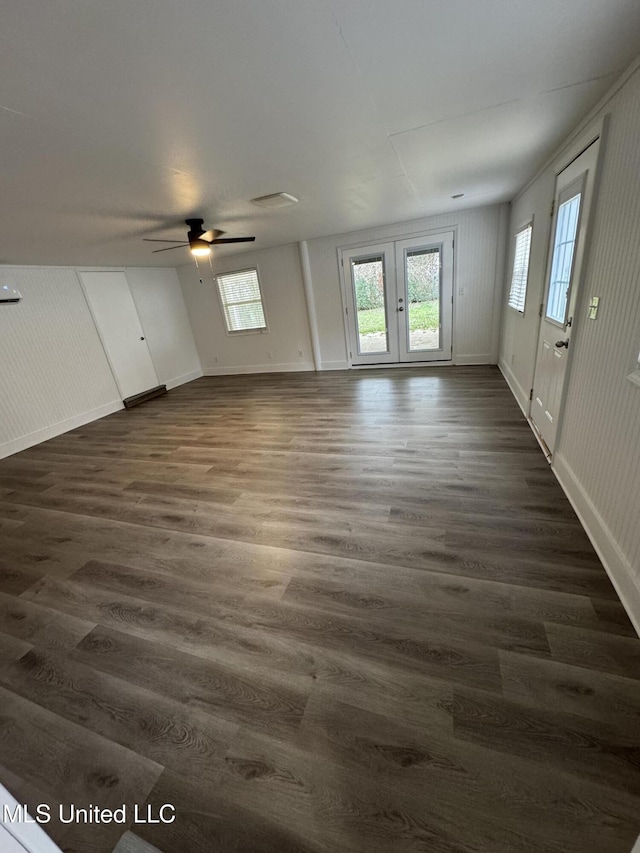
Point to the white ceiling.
(120, 118)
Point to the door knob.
(401, 308)
(142, 338)
(560, 344)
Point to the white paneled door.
(120, 330)
(399, 300)
(572, 205)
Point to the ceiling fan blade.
(155, 240)
(232, 240)
(212, 235)
(169, 248)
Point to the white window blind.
(518, 292)
(241, 300)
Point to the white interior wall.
(597, 458)
(479, 260)
(163, 314)
(478, 272)
(287, 336)
(54, 375)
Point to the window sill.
(234, 333)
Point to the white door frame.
(432, 236)
(387, 252)
(445, 242)
(596, 130)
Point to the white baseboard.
(619, 569)
(484, 358)
(294, 367)
(334, 365)
(28, 835)
(180, 380)
(522, 396)
(44, 434)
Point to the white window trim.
(519, 230)
(576, 187)
(235, 333)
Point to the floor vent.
(130, 402)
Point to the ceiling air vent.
(9, 295)
(275, 200)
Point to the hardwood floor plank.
(576, 690)
(160, 729)
(582, 647)
(334, 612)
(445, 772)
(15, 580)
(600, 752)
(55, 755)
(264, 700)
(12, 648)
(10, 524)
(33, 623)
(207, 822)
(290, 623)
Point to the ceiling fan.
(199, 241)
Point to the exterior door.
(120, 330)
(572, 204)
(400, 300)
(424, 275)
(371, 304)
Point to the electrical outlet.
(461, 291)
(300, 353)
(592, 312)
(269, 354)
(215, 359)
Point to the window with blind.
(518, 292)
(241, 301)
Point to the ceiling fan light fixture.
(275, 200)
(200, 248)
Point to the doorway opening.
(399, 300)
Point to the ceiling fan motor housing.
(195, 228)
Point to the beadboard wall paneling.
(163, 314)
(54, 369)
(600, 438)
(597, 458)
(478, 273)
(55, 375)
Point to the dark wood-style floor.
(335, 612)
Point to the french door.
(399, 300)
(573, 198)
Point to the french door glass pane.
(423, 273)
(368, 286)
(561, 264)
